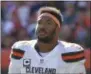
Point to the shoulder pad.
(20, 44)
(73, 52)
(18, 49)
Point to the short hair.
(52, 10)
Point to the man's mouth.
(42, 32)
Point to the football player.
(47, 54)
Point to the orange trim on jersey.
(17, 54)
(76, 56)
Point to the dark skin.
(48, 34)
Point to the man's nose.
(43, 26)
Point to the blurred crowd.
(18, 21)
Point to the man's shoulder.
(22, 44)
(71, 47)
(20, 47)
(72, 52)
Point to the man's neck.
(46, 47)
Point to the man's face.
(46, 29)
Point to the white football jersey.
(64, 58)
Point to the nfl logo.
(41, 60)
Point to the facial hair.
(49, 38)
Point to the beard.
(49, 38)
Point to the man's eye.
(39, 23)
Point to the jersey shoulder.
(71, 47)
(19, 48)
(72, 52)
(22, 44)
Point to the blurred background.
(18, 22)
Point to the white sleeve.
(15, 64)
(78, 68)
(14, 67)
